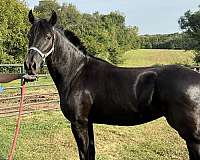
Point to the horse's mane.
(76, 41)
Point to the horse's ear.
(53, 18)
(31, 17)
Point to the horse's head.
(41, 42)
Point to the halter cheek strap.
(44, 56)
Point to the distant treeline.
(104, 35)
(166, 41)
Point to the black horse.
(92, 90)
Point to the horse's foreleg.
(85, 140)
(81, 126)
(194, 150)
(80, 132)
(91, 142)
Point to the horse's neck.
(64, 62)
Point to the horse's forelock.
(42, 25)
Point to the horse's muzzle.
(31, 71)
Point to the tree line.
(104, 35)
(166, 41)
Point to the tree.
(190, 23)
(45, 7)
(13, 28)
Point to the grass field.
(47, 135)
(149, 57)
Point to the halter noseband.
(44, 56)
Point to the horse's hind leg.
(186, 120)
(194, 150)
(187, 128)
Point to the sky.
(151, 16)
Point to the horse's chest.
(77, 104)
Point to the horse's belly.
(124, 118)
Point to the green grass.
(149, 57)
(47, 135)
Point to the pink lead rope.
(17, 130)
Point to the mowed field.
(47, 135)
(149, 57)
